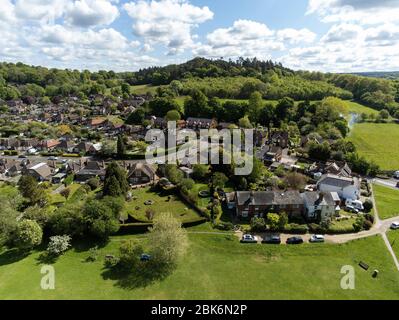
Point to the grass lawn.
(354, 107)
(143, 89)
(58, 198)
(387, 201)
(215, 267)
(378, 142)
(393, 237)
(161, 204)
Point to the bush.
(93, 183)
(258, 224)
(368, 205)
(316, 228)
(58, 245)
(297, 228)
(224, 226)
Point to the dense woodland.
(215, 78)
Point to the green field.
(161, 204)
(143, 89)
(378, 142)
(215, 267)
(387, 201)
(354, 107)
(393, 237)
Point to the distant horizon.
(337, 36)
(161, 66)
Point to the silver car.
(395, 226)
(316, 238)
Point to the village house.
(50, 145)
(320, 205)
(347, 188)
(140, 173)
(259, 203)
(10, 167)
(201, 123)
(91, 169)
(279, 139)
(40, 171)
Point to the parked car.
(397, 185)
(248, 238)
(294, 240)
(275, 239)
(52, 158)
(395, 226)
(22, 156)
(316, 238)
(145, 257)
(357, 204)
(396, 175)
(351, 209)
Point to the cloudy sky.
(123, 35)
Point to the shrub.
(297, 228)
(28, 234)
(316, 228)
(368, 205)
(258, 224)
(225, 226)
(93, 183)
(58, 245)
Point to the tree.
(319, 151)
(219, 180)
(120, 147)
(245, 123)
(30, 189)
(93, 183)
(173, 115)
(174, 174)
(136, 117)
(368, 206)
(186, 185)
(200, 171)
(58, 245)
(28, 235)
(161, 106)
(115, 182)
(167, 240)
(65, 193)
(102, 220)
(295, 180)
(284, 108)
(258, 224)
(283, 220)
(273, 221)
(197, 105)
(68, 219)
(255, 106)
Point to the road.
(391, 183)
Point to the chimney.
(321, 196)
(252, 197)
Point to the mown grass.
(161, 204)
(378, 142)
(387, 201)
(215, 267)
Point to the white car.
(396, 175)
(395, 226)
(316, 238)
(247, 238)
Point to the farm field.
(378, 142)
(387, 201)
(143, 89)
(215, 267)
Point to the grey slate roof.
(266, 198)
(336, 181)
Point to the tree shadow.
(85, 245)
(46, 258)
(139, 278)
(12, 255)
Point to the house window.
(245, 214)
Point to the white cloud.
(87, 13)
(361, 11)
(343, 33)
(168, 22)
(46, 10)
(296, 36)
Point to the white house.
(347, 188)
(319, 205)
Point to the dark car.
(294, 240)
(397, 185)
(22, 156)
(145, 257)
(272, 240)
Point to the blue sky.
(123, 35)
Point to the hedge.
(296, 228)
(142, 227)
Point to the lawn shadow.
(84, 246)
(140, 278)
(12, 255)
